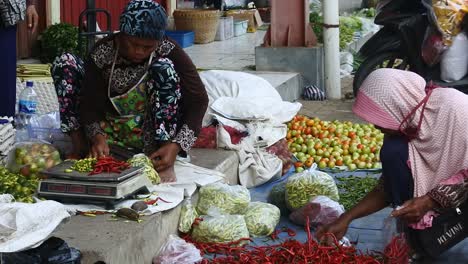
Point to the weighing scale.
(103, 189)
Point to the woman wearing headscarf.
(425, 151)
(136, 89)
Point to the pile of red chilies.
(290, 251)
(397, 251)
(109, 165)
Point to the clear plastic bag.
(220, 228)
(433, 46)
(277, 197)
(188, 214)
(29, 158)
(228, 199)
(176, 250)
(141, 160)
(454, 63)
(321, 211)
(396, 248)
(448, 16)
(262, 218)
(306, 185)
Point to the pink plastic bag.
(177, 250)
(321, 210)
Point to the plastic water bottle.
(27, 108)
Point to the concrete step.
(120, 242)
(288, 84)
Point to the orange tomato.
(298, 164)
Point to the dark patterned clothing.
(173, 111)
(68, 73)
(397, 181)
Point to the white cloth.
(237, 85)
(188, 176)
(25, 226)
(256, 165)
(255, 108)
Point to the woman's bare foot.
(168, 175)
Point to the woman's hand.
(413, 210)
(165, 156)
(337, 228)
(33, 18)
(100, 147)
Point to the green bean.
(228, 199)
(141, 160)
(353, 189)
(188, 214)
(220, 229)
(261, 218)
(301, 187)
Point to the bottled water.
(27, 108)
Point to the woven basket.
(203, 22)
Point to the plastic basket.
(183, 38)
(225, 28)
(240, 27)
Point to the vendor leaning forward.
(424, 154)
(137, 89)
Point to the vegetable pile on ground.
(353, 189)
(289, 251)
(331, 144)
(20, 186)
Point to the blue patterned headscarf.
(144, 19)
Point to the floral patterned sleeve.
(452, 192)
(194, 100)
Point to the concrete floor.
(233, 54)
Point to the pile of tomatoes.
(332, 144)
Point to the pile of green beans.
(353, 189)
(21, 187)
(301, 187)
(220, 229)
(228, 199)
(262, 218)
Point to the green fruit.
(322, 165)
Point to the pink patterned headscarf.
(440, 149)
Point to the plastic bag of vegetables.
(220, 228)
(228, 199)
(188, 214)
(261, 218)
(321, 211)
(29, 158)
(141, 160)
(306, 185)
(277, 197)
(21, 187)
